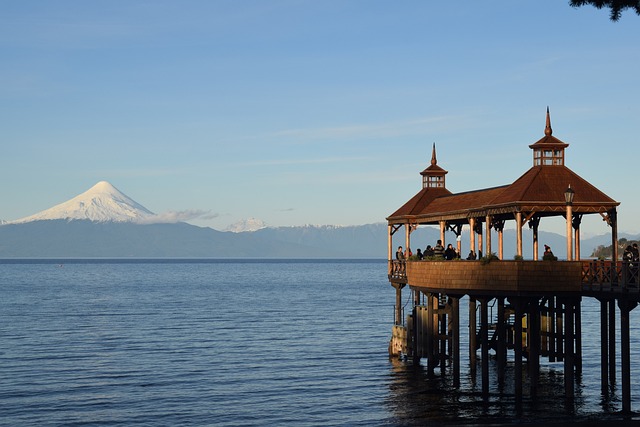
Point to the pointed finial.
(547, 128)
(433, 155)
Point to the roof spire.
(434, 161)
(547, 127)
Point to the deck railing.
(620, 276)
(596, 276)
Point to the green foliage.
(604, 252)
(616, 6)
(518, 257)
(488, 258)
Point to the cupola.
(548, 151)
(433, 176)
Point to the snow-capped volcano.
(101, 203)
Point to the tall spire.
(433, 175)
(547, 127)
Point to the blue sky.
(308, 112)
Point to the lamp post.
(568, 198)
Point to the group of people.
(433, 252)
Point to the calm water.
(243, 343)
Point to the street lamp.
(568, 195)
(568, 198)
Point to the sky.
(309, 112)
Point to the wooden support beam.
(604, 347)
(625, 352)
(612, 342)
(473, 343)
(455, 325)
(518, 306)
(484, 339)
(569, 377)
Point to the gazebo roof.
(539, 191)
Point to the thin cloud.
(179, 216)
(388, 129)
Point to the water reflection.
(415, 398)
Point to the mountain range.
(104, 222)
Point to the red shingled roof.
(540, 190)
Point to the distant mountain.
(102, 203)
(90, 239)
(104, 222)
(251, 224)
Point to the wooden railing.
(398, 271)
(596, 276)
(619, 276)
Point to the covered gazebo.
(549, 188)
(537, 303)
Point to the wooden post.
(533, 332)
(472, 332)
(398, 318)
(625, 350)
(569, 232)
(578, 328)
(484, 338)
(501, 351)
(519, 233)
(487, 237)
(455, 357)
(552, 329)
(517, 303)
(569, 385)
(604, 347)
(472, 235)
(612, 342)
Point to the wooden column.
(604, 347)
(625, 350)
(455, 350)
(472, 332)
(398, 310)
(569, 377)
(484, 349)
(577, 244)
(501, 351)
(487, 237)
(578, 329)
(569, 232)
(534, 223)
(431, 330)
(533, 332)
(443, 226)
(518, 307)
(612, 342)
(407, 238)
(552, 329)
(519, 233)
(472, 235)
(389, 243)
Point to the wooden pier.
(529, 307)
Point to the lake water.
(244, 343)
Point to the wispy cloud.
(325, 160)
(179, 216)
(371, 130)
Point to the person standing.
(450, 253)
(399, 253)
(438, 250)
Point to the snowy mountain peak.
(251, 224)
(101, 203)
